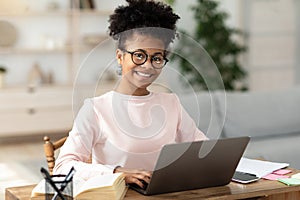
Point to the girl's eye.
(140, 56)
(157, 59)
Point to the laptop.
(195, 165)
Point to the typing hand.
(139, 177)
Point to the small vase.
(36, 76)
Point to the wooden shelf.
(12, 50)
(36, 13)
(67, 50)
(92, 12)
(57, 13)
(32, 108)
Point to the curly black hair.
(145, 17)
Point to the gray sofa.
(271, 119)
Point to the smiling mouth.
(146, 75)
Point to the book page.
(100, 181)
(39, 189)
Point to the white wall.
(272, 57)
(297, 52)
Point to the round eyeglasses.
(139, 57)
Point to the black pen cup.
(59, 189)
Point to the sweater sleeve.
(187, 130)
(77, 149)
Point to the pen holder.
(65, 188)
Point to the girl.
(125, 129)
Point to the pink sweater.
(124, 130)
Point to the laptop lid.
(194, 165)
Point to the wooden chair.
(50, 148)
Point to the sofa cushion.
(277, 148)
(201, 107)
(259, 114)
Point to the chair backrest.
(50, 148)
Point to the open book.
(108, 186)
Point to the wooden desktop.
(262, 189)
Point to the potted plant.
(2, 74)
(217, 39)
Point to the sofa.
(271, 119)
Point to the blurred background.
(55, 53)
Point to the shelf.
(93, 12)
(106, 85)
(57, 13)
(67, 50)
(12, 50)
(63, 37)
(35, 13)
(26, 87)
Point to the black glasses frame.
(146, 58)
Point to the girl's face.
(137, 49)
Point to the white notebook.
(258, 167)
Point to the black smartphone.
(243, 177)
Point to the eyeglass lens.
(140, 57)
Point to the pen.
(68, 178)
(48, 178)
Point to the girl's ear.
(119, 56)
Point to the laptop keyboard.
(135, 186)
(145, 184)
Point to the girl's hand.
(134, 175)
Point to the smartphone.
(243, 177)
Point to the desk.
(262, 189)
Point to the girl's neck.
(130, 89)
